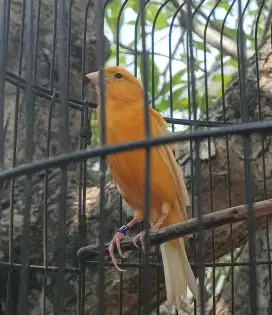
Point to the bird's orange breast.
(128, 168)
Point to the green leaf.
(200, 45)
(231, 32)
(177, 95)
(201, 102)
(122, 60)
(178, 102)
(218, 78)
(113, 53)
(135, 39)
(249, 37)
(132, 22)
(232, 63)
(227, 80)
(162, 106)
(254, 12)
(224, 5)
(156, 74)
(150, 14)
(176, 79)
(111, 15)
(135, 6)
(181, 104)
(165, 88)
(156, 77)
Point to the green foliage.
(153, 82)
(158, 67)
(112, 16)
(159, 85)
(224, 5)
(161, 21)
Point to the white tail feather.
(178, 273)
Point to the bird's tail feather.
(177, 272)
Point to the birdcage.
(206, 66)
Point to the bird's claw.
(140, 236)
(116, 240)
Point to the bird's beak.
(93, 77)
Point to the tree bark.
(40, 134)
(239, 303)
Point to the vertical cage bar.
(171, 70)
(209, 149)
(140, 273)
(171, 55)
(256, 44)
(46, 177)
(62, 70)
(100, 63)
(9, 299)
(118, 29)
(45, 208)
(247, 160)
(82, 223)
(69, 30)
(192, 124)
(153, 48)
(54, 42)
(29, 119)
(122, 8)
(36, 52)
(197, 163)
(3, 57)
(7, 24)
(146, 297)
(157, 248)
(3, 45)
(227, 150)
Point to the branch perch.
(209, 221)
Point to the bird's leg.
(117, 240)
(140, 236)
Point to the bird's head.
(120, 85)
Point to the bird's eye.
(118, 76)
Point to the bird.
(169, 198)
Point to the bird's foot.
(116, 240)
(140, 236)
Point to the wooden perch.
(209, 221)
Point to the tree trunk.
(41, 120)
(261, 165)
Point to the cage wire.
(55, 229)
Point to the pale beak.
(93, 77)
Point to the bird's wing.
(162, 123)
(159, 128)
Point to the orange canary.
(124, 110)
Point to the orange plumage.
(124, 107)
